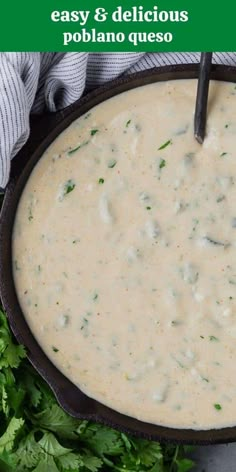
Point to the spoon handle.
(202, 96)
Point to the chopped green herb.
(223, 154)
(128, 123)
(55, 349)
(101, 181)
(213, 338)
(111, 163)
(77, 148)
(205, 379)
(202, 337)
(148, 208)
(217, 406)
(95, 296)
(227, 125)
(94, 131)
(220, 198)
(163, 146)
(68, 187)
(162, 164)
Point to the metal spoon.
(202, 96)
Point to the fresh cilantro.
(8, 438)
(101, 180)
(162, 163)
(217, 406)
(67, 188)
(55, 349)
(163, 146)
(72, 151)
(94, 131)
(10, 353)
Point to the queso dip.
(124, 255)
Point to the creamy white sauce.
(124, 255)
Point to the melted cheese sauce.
(124, 255)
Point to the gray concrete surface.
(215, 458)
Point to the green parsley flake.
(93, 132)
(68, 187)
(55, 349)
(128, 123)
(163, 146)
(77, 148)
(217, 406)
(162, 163)
(101, 181)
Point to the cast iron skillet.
(68, 395)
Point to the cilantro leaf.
(103, 440)
(92, 463)
(56, 420)
(68, 186)
(94, 131)
(46, 464)
(8, 438)
(10, 353)
(28, 452)
(184, 465)
(163, 146)
(7, 462)
(72, 151)
(162, 163)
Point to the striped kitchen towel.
(34, 82)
